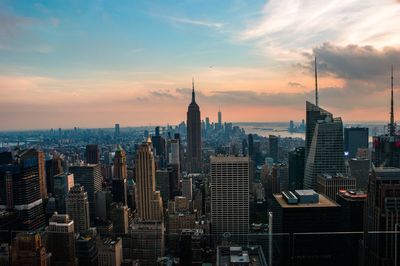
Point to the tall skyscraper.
(296, 168)
(119, 182)
(383, 213)
(120, 218)
(37, 155)
(194, 136)
(355, 138)
(313, 114)
(53, 167)
(304, 211)
(92, 154)
(145, 242)
(78, 208)
(86, 249)
(187, 188)
(28, 249)
(359, 169)
(104, 199)
(251, 146)
(116, 131)
(273, 147)
(61, 240)
(230, 197)
(62, 184)
(110, 251)
(174, 152)
(90, 177)
(386, 147)
(325, 155)
(20, 190)
(219, 118)
(148, 200)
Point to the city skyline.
(94, 64)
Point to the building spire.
(193, 94)
(316, 81)
(392, 125)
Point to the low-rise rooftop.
(323, 202)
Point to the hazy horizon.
(240, 123)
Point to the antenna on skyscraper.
(316, 81)
(193, 95)
(392, 125)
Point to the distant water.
(269, 128)
(281, 128)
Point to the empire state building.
(193, 136)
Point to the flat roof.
(323, 203)
(305, 192)
(387, 173)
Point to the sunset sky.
(96, 63)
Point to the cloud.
(12, 25)
(204, 23)
(158, 93)
(55, 22)
(18, 34)
(287, 28)
(295, 84)
(354, 62)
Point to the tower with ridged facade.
(193, 136)
(148, 200)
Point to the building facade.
(383, 213)
(90, 177)
(78, 208)
(61, 240)
(148, 200)
(330, 185)
(194, 160)
(230, 197)
(355, 138)
(325, 154)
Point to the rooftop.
(324, 202)
(336, 176)
(387, 173)
(353, 194)
(237, 255)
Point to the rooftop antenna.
(392, 126)
(316, 81)
(193, 95)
